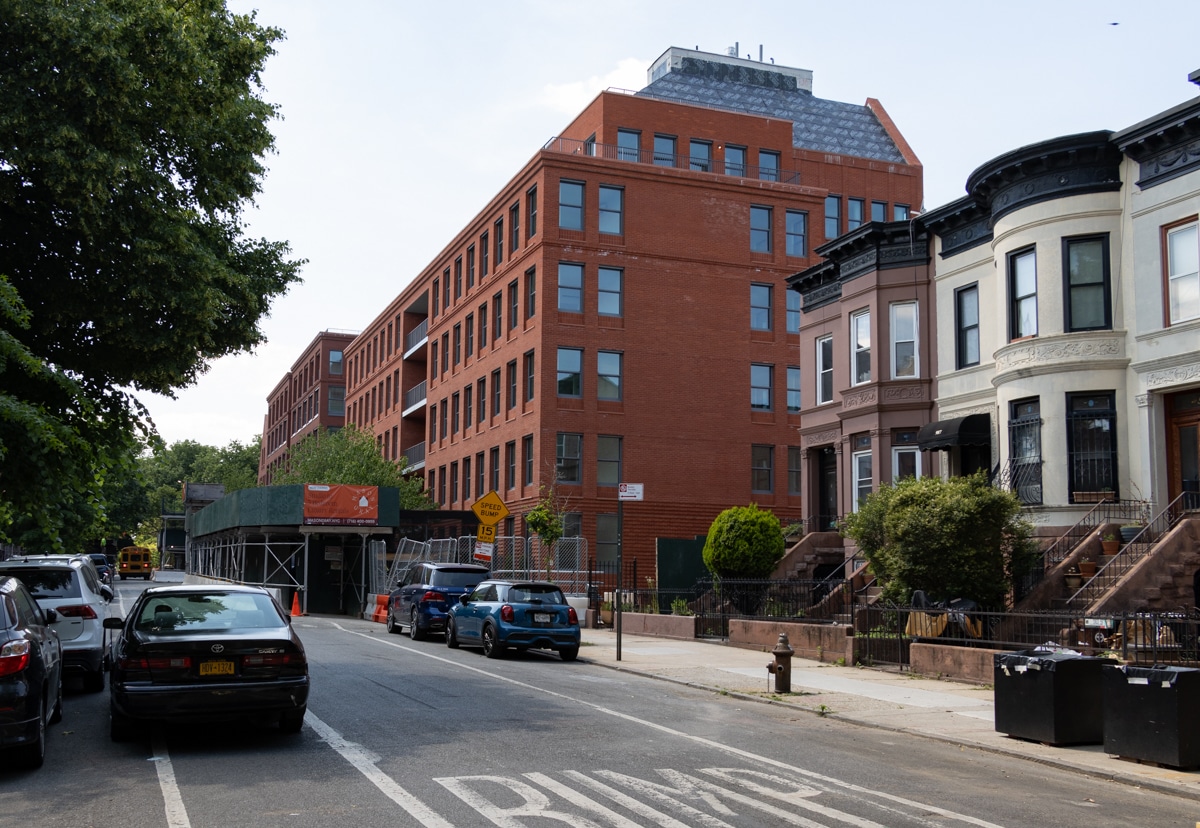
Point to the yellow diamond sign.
(490, 509)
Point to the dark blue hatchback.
(426, 593)
(519, 614)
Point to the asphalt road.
(404, 733)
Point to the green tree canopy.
(955, 538)
(743, 542)
(349, 456)
(131, 138)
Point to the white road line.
(919, 807)
(176, 814)
(364, 763)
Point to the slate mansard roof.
(775, 91)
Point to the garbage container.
(1153, 714)
(1050, 697)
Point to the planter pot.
(1111, 547)
(606, 617)
(1087, 569)
(1128, 533)
(1091, 497)
(1074, 582)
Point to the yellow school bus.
(134, 562)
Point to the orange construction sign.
(341, 505)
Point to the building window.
(443, 433)
(855, 213)
(527, 459)
(497, 316)
(466, 479)
(531, 211)
(530, 293)
(906, 462)
(433, 422)
(860, 467)
(496, 392)
(793, 311)
(442, 486)
(860, 347)
(966, 326)
(445, 352)
(768, 165)
(735, 160)
(760, 229)
(608, 461)
(514, 305)
(762, 471)
(608, 375)
(794, 470)
(760, 387)
(760, 307)
(335, 363)
(833, 216)
(899, 212)
(609, 283)
(469, 330)
(570, 287)
(458, 278)
(1183, 273)
(529, 376)
(1092, 443)
(457, 344)
(454, 412)
(471, 267)
(1085, 264)
(570, 369)
(570, 205)
(514, 228)
(797, 233)
(499, 236)
(483, 318)
(904, 341)
(510, 464)
(606, 538)
(511, 369)
(589, 146)
(494, 457)
(446, 289)
(824, 370)
(482, 397)
(629, 145)
(612, 210)
(1025, 450)
(468, 410)
(1022, 292)
(568, 458)
(437, 296)
(879, 211)
(337, 401)
(664, 150)
(793, 389)
(454, 482)
(700, 158)
(480, 474)
(483, 257)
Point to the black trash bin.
(1153, 714)
(1050, 697)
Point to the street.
(406, 733)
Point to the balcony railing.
(571, 146)
(414, 396)
(415, 455)
(416, 335)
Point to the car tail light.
(433, 596)
(177, 663)
(572, 617)
(79, 611)
(271, 659)
(14, 657)
(507, 614)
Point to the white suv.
(69, 585)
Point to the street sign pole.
(625, 491)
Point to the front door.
(1183, 447)
(827, 488)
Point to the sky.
(401, 119)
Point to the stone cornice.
(1165, 146)
(1048, 355)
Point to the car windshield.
(48, 583)
(535, 594)
(207, 611)
(456, 577)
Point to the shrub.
(743, 542)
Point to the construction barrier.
(380, 608)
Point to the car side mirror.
(113, 623)
(464, 599)
(51, 615)
(106, 591)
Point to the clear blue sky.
(402, 118)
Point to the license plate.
(541, 618)
(216, 668)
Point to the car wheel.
(292, 721)
(451, 634)
(392, 626)
(491, 647)
(568, 653)
(93, 682)
(57, 713)
(414, 631)
(121, 728)
(33, 754)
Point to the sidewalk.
(947, 711)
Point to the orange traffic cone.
(296, 613)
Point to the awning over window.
(972, 430)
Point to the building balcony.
(571, 146)
(415, 455)
(414, 400)
(415, 342)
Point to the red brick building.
(618, 312)
(310, 397)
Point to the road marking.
(919, 807)
(364, 762)
(176, 813)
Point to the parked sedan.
(30, 674)
(421, 601)
(520, 614)
(206, 653)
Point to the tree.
(164, 470)
(743, 542)
(349, 456)
(545, 520)
(131, 138)
(955, 538)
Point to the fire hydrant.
(781, 667)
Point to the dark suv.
(30, 673)
(423, 597)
